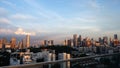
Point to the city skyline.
(58, 20)
(76, 40)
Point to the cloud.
(84, 20)
(3, 12)
(9, 4)
(20, 31)
(4, 20)
(93, 4)
(41, 11)
(88, 28)
(22, 17)
(6, 31)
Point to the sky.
(59, 19)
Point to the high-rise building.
(75, 39)
(0, 43)
(115, 36)
(48, 42)
(52, 42)
(79, 40)
(105, 40)
(4, 40)
(50, 57)
(88, 42)
(20, 45)
(111, 42)
(45, 42)
(24, 43)
(69, 42)
(27, 41)
(66, 42)
(116, 41)
(100, 41)
(13, 43)
(68, 63)
(64, 56)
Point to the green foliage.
(58, 49)
(35, 50)
(40, 60)
(4, 58)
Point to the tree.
(4, 58)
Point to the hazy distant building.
(105, 40)
(48, 42)
(45, 42)
(116, 41)
(0, 43)
(84, 42)
(88, 42)
(75, 39)
(27, 41)
(111, 42)
(115, 36)
(70, 42)
(79, 40)
(7, 45)
(52, 42)
(4, 40)
(92, 41)
(20, 45)
(65, 42)
(23, 43)
(100, 41)
(13, 43)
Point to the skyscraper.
(4, 40)
(105, 40)
(111, 42)
(79, 40)
(13, 43)
(88, 42)
(69, 42)
(20, 45)
(100, 40)
(52, 42)
(45, 42)
(65, 42)
(116, 41)
(115, 36)
(23, 43)
(75, 39)
(27, 41)
(49, 43)
(0, 43)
